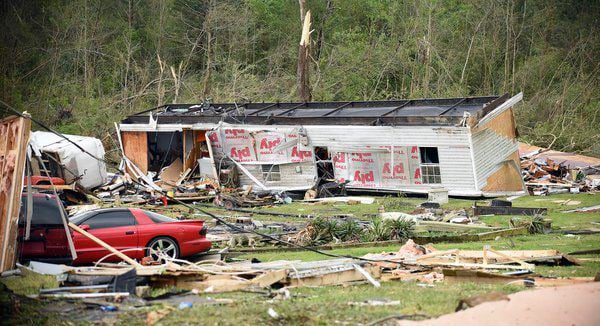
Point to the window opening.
(271, 172)
(430, 165)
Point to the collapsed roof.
(448, 111)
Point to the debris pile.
(549, 172)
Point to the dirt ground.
(567, 305)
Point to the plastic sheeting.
(90, 171)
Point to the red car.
(129, 229)
(136, 232)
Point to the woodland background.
(80, 65)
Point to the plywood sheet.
(14, 137)
(504, 124)
(135, 147)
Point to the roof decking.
(397, 112)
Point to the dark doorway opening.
(163, 149)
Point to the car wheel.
(163, 245)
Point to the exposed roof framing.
(291, 110)
(445, 111)
(454, 106)
(337, 109)
(399, 107)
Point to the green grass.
(328, 305)
(29, 282)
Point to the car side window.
(110, 220)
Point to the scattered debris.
(550, 172)
(375, 302)
(272, 313)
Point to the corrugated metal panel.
(490, 149)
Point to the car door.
(115, 227)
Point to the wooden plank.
(135, 148)
(15, 137)
(269, 278)
(502, 233)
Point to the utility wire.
(215, 217)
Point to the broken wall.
(496, 155)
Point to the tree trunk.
(304, 57)
(328, 12)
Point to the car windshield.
(157, 218)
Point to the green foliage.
(384, 230)
(378, 231)
(536, 224)
(322, 230)
(81, 65)
(401, 229)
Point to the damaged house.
(465, 145)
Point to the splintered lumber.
(502, 256)
(269, 278)
(333, 275)
(455, 258)
(106, 246)
(216, 284)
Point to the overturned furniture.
(465, 145)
